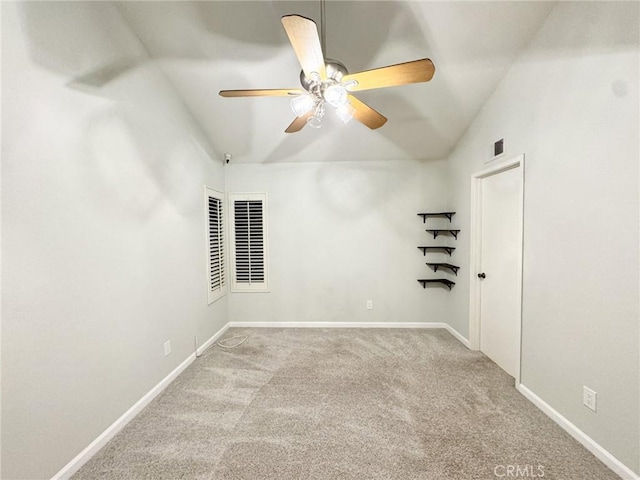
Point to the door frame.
(475, 259)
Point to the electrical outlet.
(589, 398)
(369, 304)
(167, 347)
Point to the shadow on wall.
(223, 30)
(95, 79)
(140, 148)
(374, 202)
(293, 145)
(413, 132)
(205, 30)
(248, 22)
(75, 39)
(137, 163)
(236, 112)
(258, 23)
(354, 190)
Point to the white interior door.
(500, 265)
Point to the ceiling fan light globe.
(336, 95)
(315, 121)
(315, 77)
(302, 104)
(345, 112)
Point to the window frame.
(216, 294)
(235, 286)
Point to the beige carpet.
(343, 404)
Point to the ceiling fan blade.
(367, 115)
(401, 74)
(303, 35)
(261, 93)
(299, 123)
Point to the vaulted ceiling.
(204, 47)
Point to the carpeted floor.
(343, 404)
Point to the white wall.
(103, 228)
(103, 232)
(570, 104)
(341, 233)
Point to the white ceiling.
(204, 47)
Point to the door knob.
(482, 275)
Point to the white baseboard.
(338, 324)
(214, 338)
(446, 326)
(85, 455)
(458, 336)
(598, 451)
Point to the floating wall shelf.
(445, 231)
(439, 266)
(448, 266)
(424, 216)
(449, 250)
(444, 281)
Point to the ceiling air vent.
(498, 148)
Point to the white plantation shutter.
(216, 252)
(249, 241)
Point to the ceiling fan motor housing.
(335, 72)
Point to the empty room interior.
(320, 240)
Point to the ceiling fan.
(326, 81)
